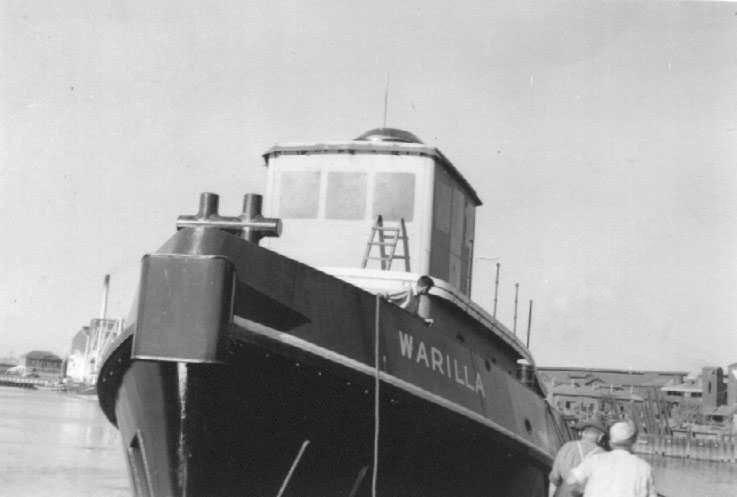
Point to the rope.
(375, 470)
(300, 453)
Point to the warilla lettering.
(442, 364)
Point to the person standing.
(571, 454)
(617, 473)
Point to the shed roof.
(42, 354)
(596, 393)
(683, 387)
(638, 378)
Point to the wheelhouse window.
(299, 194)
(346, 196)
(394, 196)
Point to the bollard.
(668, 448)
(701, 450)
(712, 452)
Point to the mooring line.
(294, 466)
(357, 483)
(375, 470)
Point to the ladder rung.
(388, 241)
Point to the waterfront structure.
(77, 362)
(640, 382)
(636, 394)
(687, 393)
(714, 393)
(572, 400)
(732, 384)
(43, 363)
(87, 347)
(7, 363)
(249, 370)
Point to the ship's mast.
(105, 292)
(386, 98)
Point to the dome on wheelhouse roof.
(389, 135)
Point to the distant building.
(573, 400)
(732, 384)
(87, 347)
(43, 363)
(7, 363)
(714, 391)
(688, 393)
(78, 367)
(615, 393)
(638, 381)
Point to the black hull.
(212, 430)
(239, 357)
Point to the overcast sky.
(602, 138)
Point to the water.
(61, 445)
(688, 478)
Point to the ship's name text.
(438, 362)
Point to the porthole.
(528, 425)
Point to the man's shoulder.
(569, 446)
(600, 454)
(631, 458)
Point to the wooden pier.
(18, 382)
(719, 449)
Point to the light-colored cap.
(622, 433)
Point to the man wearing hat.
(617, 473)
(571, 454)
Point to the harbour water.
(61, 445)
(57, 444)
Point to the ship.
(265, 354)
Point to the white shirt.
(614, 474)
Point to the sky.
(601, 136)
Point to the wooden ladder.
(388, 239)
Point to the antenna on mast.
(496, 288)
(386, 98)
(529, 325)
(516, 294)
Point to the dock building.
(44, 364)
(582, 392)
